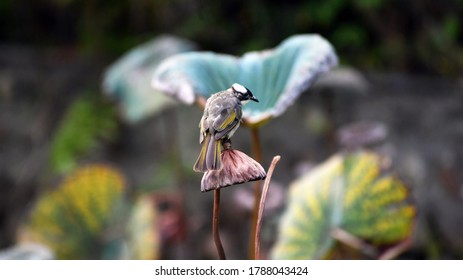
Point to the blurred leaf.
(87, 121)
(349, 192)
(74, 220)
(143, 234)
(276, 77)
(128, 79)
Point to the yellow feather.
(227, 121)
(200, 165)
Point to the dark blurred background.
(408, 55)
(412, 36)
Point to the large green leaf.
(349, 192)
(129, 78)
(276, 77)
(75, 219)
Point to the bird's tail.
(210, 157)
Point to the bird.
(221, 118)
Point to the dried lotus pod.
(237, 168)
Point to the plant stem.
(262, 206)
(257, 191)
(215, 225)
(354, 242)
(395, 251)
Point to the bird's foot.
(226, 144)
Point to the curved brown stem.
(262, 206)
(354, 242)
(395, 251)
(257, 192)
(215, 225)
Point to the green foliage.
(87, 121)
(112, 27)
(350, 192)
(276, 77)
(88, 217)
(74, 220)
(451, 27)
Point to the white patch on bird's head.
(242, 93)
(239, 88)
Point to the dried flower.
(237, 168)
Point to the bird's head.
(243, 93)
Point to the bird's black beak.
(254, 99)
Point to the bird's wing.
(220, 134)
(205, 121)
(227, 119)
